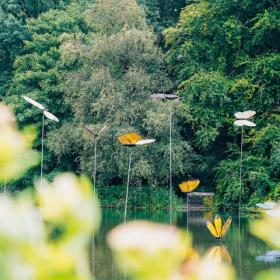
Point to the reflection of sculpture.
(130, 140)
(218, 254)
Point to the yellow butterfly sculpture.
(133, 139)
(129, 138)
(189, 185)
(217, 229)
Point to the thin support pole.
(94, 169)
(240, 171)
(42, 148)
(5, 186)
(93, 256)
(94, 193)
(240, 202)
(239, 249)
(127, 186)
(187, 212)
(170, 165)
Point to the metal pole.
(5, 186)
(95, 162)
(127, 186)
(240, 171)
(170, 165)
(239, 250)
(42, 148)
(187, 212)
(93, 256)
(240, 202)
(94, 193)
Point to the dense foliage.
(14, 15)
(122, 68)
(98, 62)
(40, 69)
(224, 56)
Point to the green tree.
(162, 13)
(13, 32)
(122, 67)
(24, 9)
(224, 57)
(40, 69)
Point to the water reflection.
(218, 254)
(247, 254)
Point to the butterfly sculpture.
(268, 205)
(95, 135)
(133, 139)
(245, 115)
(271, 208)
(189, 185)
(45, 111)
(217, 229)
(46, 114)
(163, 96)
(242, 118)
(241, 121)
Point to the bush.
(139, 197)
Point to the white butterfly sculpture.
(242, 118)
(46, 113)
(271, 208)
(245, 115)
(164, 96)
(268, 205)
(241, 121)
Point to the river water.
(249, 254)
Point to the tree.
(162, 13)
(24, 9)
(224, 57)
(122, 67)
(13, 32)
(40, 69)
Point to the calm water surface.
(248, 256)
